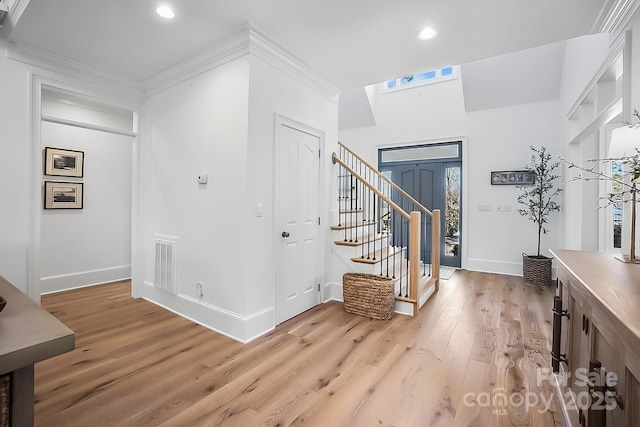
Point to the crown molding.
(614, 16)
(59, 64)
(247, 40)
(234, 47)
(16, 9)
(275, 54)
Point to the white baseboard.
(332, 292)
(498, 267)
(65, 282)
(233, 325)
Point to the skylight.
(426, 77)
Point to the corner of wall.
(235, 326)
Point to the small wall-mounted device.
(203, 178)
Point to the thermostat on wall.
(203, 178)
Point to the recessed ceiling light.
(165, 12)
(427, 33)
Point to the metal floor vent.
(165, 264)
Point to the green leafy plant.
(539, 199)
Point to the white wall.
(198, 126)
(90, 245)
(20, 240)
(578, 222)
(495, 139)
(15, 174)
(220, 122)
(274, 92)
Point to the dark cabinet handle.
(585, 324)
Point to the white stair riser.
(348, 252)
(380, 265)
(352, 233)
(338, 218)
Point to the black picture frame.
(516, 177)
(63, 162)
(63, 195)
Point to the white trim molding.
(614, 16)
(113, 82)
(230, 324)
(246, 40)
(81, 279)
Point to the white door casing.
(298, 248)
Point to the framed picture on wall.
(63, 195)
(61, 162)
(521, 177)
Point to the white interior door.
(297, 265)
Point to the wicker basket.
(5, 399)
(368, 295)
(536, 271)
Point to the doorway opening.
(102, 137)
(432, 174)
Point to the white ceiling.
(351, 43)
(530, 75)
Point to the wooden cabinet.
(599, 340)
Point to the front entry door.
(421, 181)
(436, 184)
(297, 179)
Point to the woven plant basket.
(5, 402)
(368, 295)
(536, 271)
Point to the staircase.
(382, 230)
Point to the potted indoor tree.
(538, 201)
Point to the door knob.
(285, 234)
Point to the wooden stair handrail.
(335, 159)
(414, 228)
(393, 184)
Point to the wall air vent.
(165, 263)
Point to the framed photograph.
(63, 195)
(60, 162)
(523, 177)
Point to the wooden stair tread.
(362, 240)
(379, 255)
(352, 225)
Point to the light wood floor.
(482, 336)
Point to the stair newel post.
(414, 257)
(435, 247)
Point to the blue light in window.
(433, 75)
(446, 71)
(424, 76)
(406, 80)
